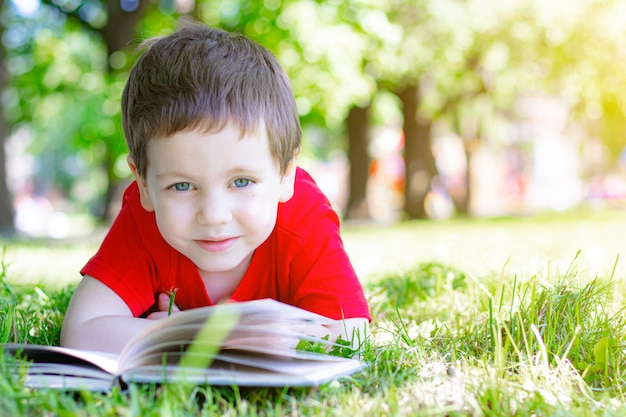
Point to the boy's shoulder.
(305, 187)
(307, 205)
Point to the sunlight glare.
(26, 7)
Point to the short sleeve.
(321, 276)
(123, 262)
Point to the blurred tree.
(332, 80)
(406, 62)
(458, 64)
(419, 164)
(357, 124)
(116, 22)
(321, 45)
(585, 63)
(68, 62)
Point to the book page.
(58, 367)
(261, 339)
(69, 377)
(249, 343)
(258, 314)
(250, 370)
(299, 363)
(106, 362)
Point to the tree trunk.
(117, 34)
(6, 200)
(121, 27)
(419, 162)
(358, 140)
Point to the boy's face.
(215, 195)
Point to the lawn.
(518, 316)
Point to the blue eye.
(241, 182)
(182, 186)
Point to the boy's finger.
(157, 315)
(164, 303)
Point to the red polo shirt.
(302, 263)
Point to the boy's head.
(205, 78)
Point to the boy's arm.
(98, 319)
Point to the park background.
(412, 111)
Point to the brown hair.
(202, 77)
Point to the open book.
(253, 343)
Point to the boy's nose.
(213, 210)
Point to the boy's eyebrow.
(168, 174)
(251, 168)
(175, 175)
(254, 168)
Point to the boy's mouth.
(217, 245)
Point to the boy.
(218, 211)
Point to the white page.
(228, 374)
(106, 361)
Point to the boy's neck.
(220, 286)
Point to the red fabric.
(302, 263)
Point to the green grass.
(456, 331)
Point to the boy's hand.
(315, 330)
(354, 330)
(163, 303)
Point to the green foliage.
(427, 281)
(470, 59)
(582, 325)
(31, 314)
(342, 348)
(7, 298)
(309, 346)
(67, 102)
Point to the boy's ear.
(288, 181)
(144, 194)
